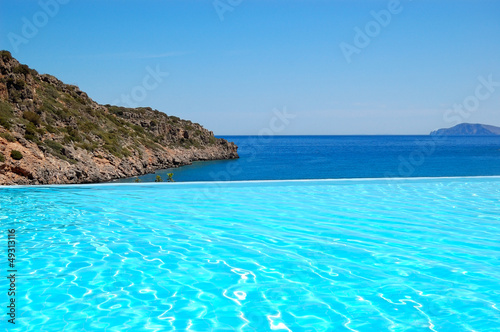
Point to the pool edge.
(301, 181)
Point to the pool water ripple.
(404, 255)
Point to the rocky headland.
(53, 133)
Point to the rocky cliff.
(53, 133)
(468, 129)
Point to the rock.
(66, 137)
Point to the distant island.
(53, 133)
(468, 129)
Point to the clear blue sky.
(230, 74)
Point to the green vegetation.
(51, 92)
(116, 110)
(4, 122)
(16, 155)
(70, 120)
(159, 179)
(56, 147)
(59, 117)
(32, 117)
(33, 133)
(22, 69)
(2, 157)
(6, 115)
(138, 129)
(57, 150)
(14, 85)
(8, 137)
(88, 146)
(73, 134)
(5, 55)
(190, 142)
(51, 129)
(112, 144)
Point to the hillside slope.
(51, 132)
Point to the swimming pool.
(332, 255)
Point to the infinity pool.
(359, 255)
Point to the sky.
(249, 67)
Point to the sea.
(340, 157)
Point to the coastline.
(54, 133)
(47, 172)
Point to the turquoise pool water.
(360, 255)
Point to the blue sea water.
(332, 157)
(333, 255)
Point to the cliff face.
(53, 133)
(468, 129)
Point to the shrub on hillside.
(22, 69)
(16, 155)
(5, 114)
(32, 117)
(6, 55)
(8, 137)
(32, 133)
(4, 122)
